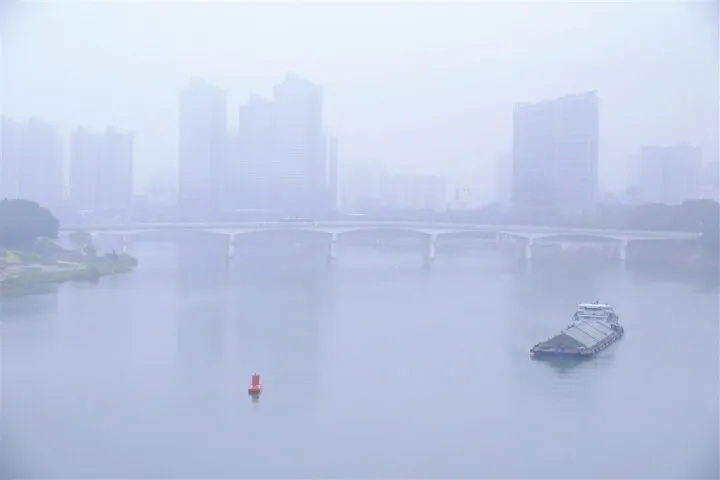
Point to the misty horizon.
(437, 99)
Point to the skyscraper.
(711, 181)
(301, 154)
(332, 173)
(202, 142)
(101, 170)
(11, 153)
(31, 161)
(256, 169)
(117, 173)
(285, 163)
(504, 180)
(555, 155)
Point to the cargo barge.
(595, 327)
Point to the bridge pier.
(125, 244)
(529, 244)
(333, 248)
(622, 250)
(230, 249)
(430, 250)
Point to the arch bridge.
(333, 231)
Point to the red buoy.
(255, 385)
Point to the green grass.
(56, 267)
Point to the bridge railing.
(528, 229)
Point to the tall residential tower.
(31, 161)
(555, 155)
(202, 144)
(101, 170)
(301, 153)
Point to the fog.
(422, 87)
(426, 225)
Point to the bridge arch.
(164, 235)
(577, 238)
(383, 233)
(272, 234)
(482, 235)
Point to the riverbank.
(21, 272)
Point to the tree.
(22, 222)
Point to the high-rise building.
(117, 193)
(202, 145)
(11, 154)
(42, 169)
(332, 173)
(87, 149)
(504, 179)
(669, 174)
(231, 183)
(711, 181)
(555, 155)
(284, 162)
(101, 170)
(31, 161)
(300, 148)
(256, 167)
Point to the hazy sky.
(421, 86)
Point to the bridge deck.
(417, 227)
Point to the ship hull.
(539, 352)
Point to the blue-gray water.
(374, 368)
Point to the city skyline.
(253, 164)
(279, 158)
(421, 104)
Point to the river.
(372, 368)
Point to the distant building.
(285, 160)
(331, 179)
(101, 170)
(710, 186)
(555, 155)
(668, 174)
(254, 169)
(504, 180)
(415, 192)
(31, 161)
(202, 147)
(361, 186)
(13, 141)
(231, 185)
(301, 149)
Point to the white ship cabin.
(595, 311)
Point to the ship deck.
(562, 341)
(583, 335)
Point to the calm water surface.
(374, 368)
